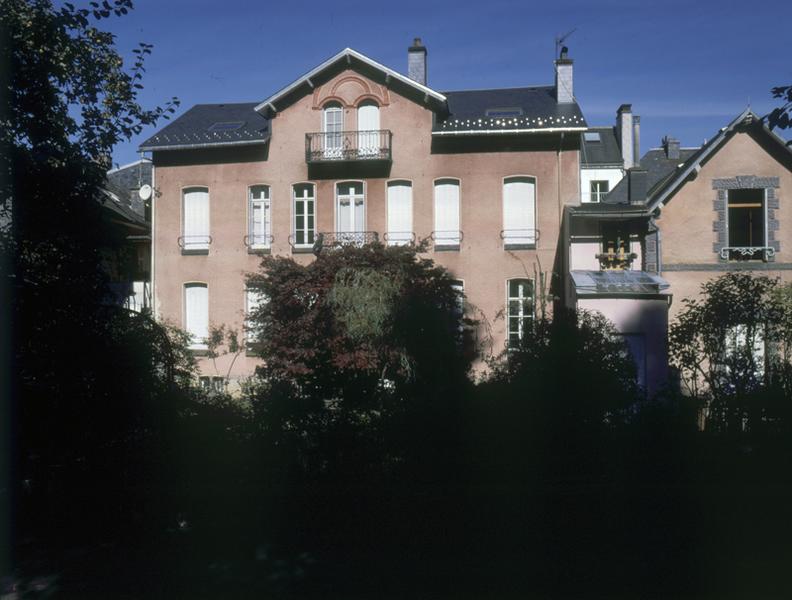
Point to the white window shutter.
(196, 219)
(368, 128)
(519, 208)
(399, 212)
(196, 313)
(447, 213)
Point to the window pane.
(196, 313)
(519, 219)
(399, 212)
(447, 212)
(196, 218)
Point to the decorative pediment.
(349, 90)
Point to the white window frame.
(202, 240)
(398, 238)
(765, 230)
(308, 232)
(521, 315)
(333, 138)
(447, 238)
(197, 341)
(262, 239)
(599, 194)
(253, 299)
(350, 227)
(525, 236)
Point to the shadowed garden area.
(365, 459)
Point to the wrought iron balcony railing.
(448, 239)
(335, 239)
(198, 244)
(321, 147)
(256, 240)
(747, 252)
(519, 237)
(399, 238)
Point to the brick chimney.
(624, 134)
(564, 82)
(671, 147)
(416, 61)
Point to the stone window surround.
(719, 205)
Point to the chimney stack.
(624, 134)
(416, 62)
(671, 147)
(564, 82)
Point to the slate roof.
(658, 170)
(605, 152)
(192, 129)
(123, 199)
(535, 108)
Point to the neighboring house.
(128, 215)
(606, 152)
(677, 219)
(352, 152)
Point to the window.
(519, 308)
(368, 129)
(599, 189)
(259, 225)
(304, 214)
(459, 308)
(399, 213)
(745, 352)
(350, 208)
(446, 213)
(519, 212)
(195, 224)
(196, 314)
(746, 224)
(253, 301)
(591, 136)
(333, 127)
(212, 385)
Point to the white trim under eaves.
(510, 131)
(126, 166)
(206, 145)
(347, 52)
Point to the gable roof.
(119, 195)
(658, 168)
(212, 125)
(663, 189)
(348, 55)
(605, 152)
(508, 110)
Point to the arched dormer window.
(368, 119)
(333, 127)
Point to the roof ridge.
(500, 89)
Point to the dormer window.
(333, 127)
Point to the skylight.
(512, 111)
(591, 136)
(226, 126)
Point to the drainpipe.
(153, 240)
(558, 179)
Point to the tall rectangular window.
(746, 223)
(446, 213)
(350, 208)
(196, 314)
(400, 228)
(519, 212)
(195, 223)
(253, 301)
(259, 224)
(304, 214)
(519, 309)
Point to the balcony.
(764, 253)
(194, 244)
(348, 146)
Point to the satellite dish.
(144, 192)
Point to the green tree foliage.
(90, 385)
(362, 348)
(731, 347)
(781, 116)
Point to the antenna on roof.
(560, 40)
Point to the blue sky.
(687, 67)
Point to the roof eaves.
(688, 166)
(332, 60)
(204, 145)
(508, 131)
